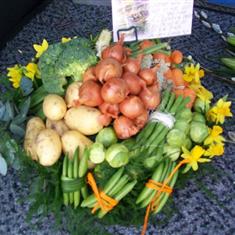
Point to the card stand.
(126, 30)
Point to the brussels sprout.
(175, 138)
(172, 152)
(198, 132)
(186, 114)
(201, 106)
(188, 143)
(107, 137)
(97, 153)
(150, 162)
(117, 155)
(182, 126)
(198, 117)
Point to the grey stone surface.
(197, 213)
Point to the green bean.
(76, 195)
(176, 104)
(84, 192)
(83, 166)
(109, 185)
(170, 102)
(64, 173)
(70, 175)
(156, 176)
(124, 179)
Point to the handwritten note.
(152, 18)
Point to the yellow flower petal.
(40, 49)
(64, 39)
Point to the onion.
(124, 127)
(132, 107)
(104, 120)
(148, 76)
(115, 51)
(111, 110)
(150, 99)
(114, 91)
(141, 120)
(90, 94)
(154, 87)
(132, 65)
(108, 68)
(89, 74)
(134, 82)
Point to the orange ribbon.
(163, 188)
(105, 202)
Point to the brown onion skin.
(142, 119)
(132, 107)
(115, 51)
(114, 91)
(112, 110)
(90, 94)
(89, 74)
(134, 82)
(104, 119)
(124, 127)
(150, 99)
(148, 76)
(132, 65)
(108, 68)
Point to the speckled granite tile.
(198, 214)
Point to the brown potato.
(59, 126)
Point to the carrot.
(168, 74)
(161, 56)
(177, 77)
(146, 44)
(191, 94)
(176, 57)
(178, 92)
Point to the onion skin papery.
(114, 91)
(111, 110)
(90, 94)
(132, 107)
(124, 127)
(150, 99)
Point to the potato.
(84, 119)
(33, 128)
(73, 139)
(72, 93)
(54, 107)
(48, 147)
(58, 126)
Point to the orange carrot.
(168, 74)
(176, 57)
(146, 43)
(191, 94)
(177, 77)
(161, 56)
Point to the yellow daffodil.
(215, 150)
(64, 39)
(192, 73)
(194, 156)
(221, 110)
(31, 70)
(214, 135)
(202, 93)
(40, 49)
(15, 75)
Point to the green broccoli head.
(65, 60)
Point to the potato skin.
(48, 147)
(59, 126)
(73, 139)
(54, 107)
(83, 119)
(33, 128)
(72, 94)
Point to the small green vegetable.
(198, 117)
(198, 132)
(172, 152)
(83, 166)
(201, 106)
(97, 153)
(175, 138)
(107, 137)
(117, 155)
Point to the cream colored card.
(152, 18)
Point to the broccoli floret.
(65, 60)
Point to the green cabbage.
(201, 106)
(198, 117)
(186, 114)
(198, 132)
(182, 126)
(117, 155)
(172, 152)
(96, 153)
(176, 138)
(107, 137)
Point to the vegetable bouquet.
(116, 123)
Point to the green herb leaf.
(3, 165)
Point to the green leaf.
(26, 86)
(2, 110)
(17, 130)
(3, 165)
(9, 110)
